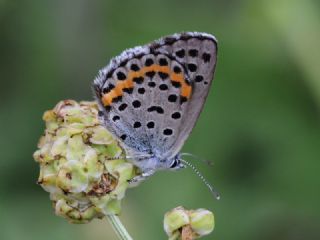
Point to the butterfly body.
(151, 96)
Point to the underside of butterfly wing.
(150, 97)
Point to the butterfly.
(150, 97)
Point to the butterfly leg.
(140, 178)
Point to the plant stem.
(118, 227)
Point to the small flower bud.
(188, 224)
(75, 163)
(201, 221)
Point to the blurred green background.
(260, 125)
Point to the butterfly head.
(176, 163)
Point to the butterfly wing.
(197, 52)
(151, 96)
(139, 94)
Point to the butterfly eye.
(175, 163)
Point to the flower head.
(183, 224)
(81, 165)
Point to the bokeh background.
(260, 125)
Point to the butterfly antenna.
(197, 158)
(212, 190)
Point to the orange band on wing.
(117, 91)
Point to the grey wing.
(139, 96)
(142, 104)
(198, 53)
(123, 114)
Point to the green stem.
(118, 227)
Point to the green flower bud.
(201, 221)
(175, 220)
(183, 224)
(76, 163)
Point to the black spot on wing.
(121, 76)
(183, 99)
(148, 62)
(163, 75)
(122, 107)
(199, 78)
(117, 99)
(137, 124)
(157, 109)
(150, 74)
(176, 115)
(167, 131)
(108, 89)
(177, 69)
(176, 84)
(206, 57)
(193, 52)
(192, 67)
(181, 53)
(134, 67)
(172, 98)
(151, 84)
(141, 90)
(150, 124)
(163, 62)
(163, 87)
(136, 104)
(128, 90)
(115, 118)
(138, 80)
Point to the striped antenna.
(212, 190)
